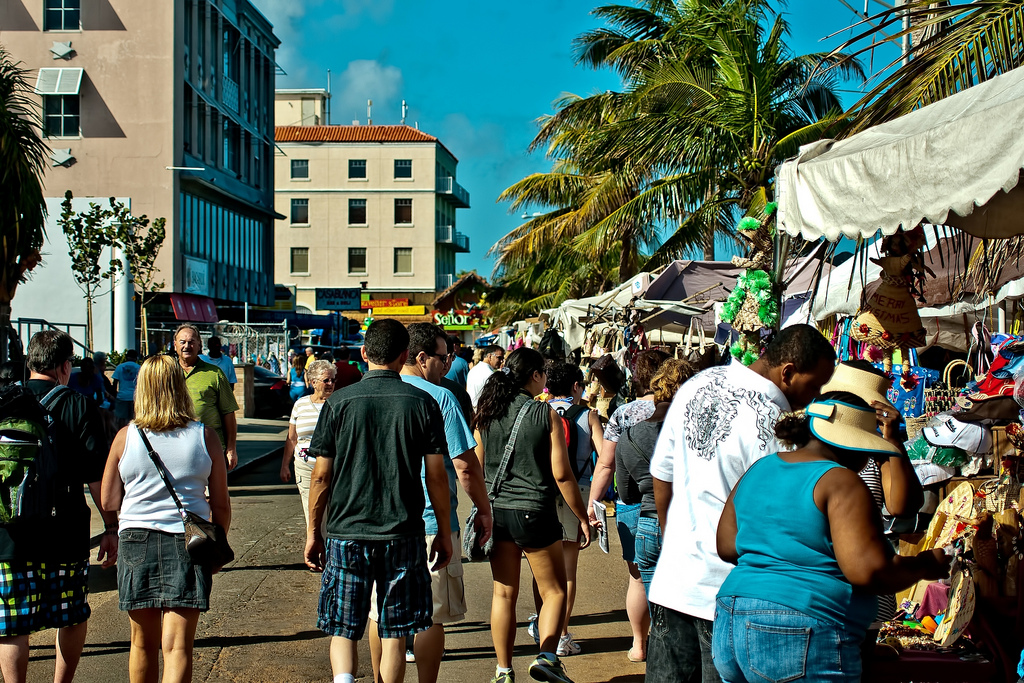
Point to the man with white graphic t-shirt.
(720, 423)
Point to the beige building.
(366, 205)
(167, 105)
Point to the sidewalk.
(257, 441)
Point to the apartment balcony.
(456, 193)
(446, 234)
(444, 281)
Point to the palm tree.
(22, 207)
(969, 43)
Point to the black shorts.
(527, 528)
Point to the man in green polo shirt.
(211, 393)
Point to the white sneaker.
(567, 646)
(409, 656)
(531, 628)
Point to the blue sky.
(475, 74)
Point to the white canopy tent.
(955, 162)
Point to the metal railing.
(26, 327)
(461, 241)
(446, 185)
(447, 234)
(444, 281)
(229, 92)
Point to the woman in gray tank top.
(158, 584)
(529, 477)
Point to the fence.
(241, 341)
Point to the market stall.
(955, 163)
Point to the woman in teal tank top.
(810, 556)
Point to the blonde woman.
(159, 586)
(305, 414)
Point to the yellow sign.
(399, 310)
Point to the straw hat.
(866, 385)
(848, 427)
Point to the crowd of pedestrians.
(378, 460)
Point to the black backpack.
(28, 454)
(572, 437)
(551, 345)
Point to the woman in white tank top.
(159, 586)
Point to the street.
(262, 622)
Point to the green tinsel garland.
(770, 208)
(759, 284)
(749, 223)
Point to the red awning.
(195, 309)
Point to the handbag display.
(472, 549)
(705, 355)
(206, 541)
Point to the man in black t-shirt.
(44, 566)
(371, 443)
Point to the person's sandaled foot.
(634, 657)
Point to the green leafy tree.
(89, 234)
(952, 47)
(22, 207)
(139, 242)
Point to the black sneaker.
(543, 669)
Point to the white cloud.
(287, 17)
(362, 80)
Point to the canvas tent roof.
(936, 164)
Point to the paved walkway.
(261, 625)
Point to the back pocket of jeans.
(777, 653)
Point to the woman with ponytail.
(522, 448)
(807, 540)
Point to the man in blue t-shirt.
(123, 379)
(428, 352)
(459, 370)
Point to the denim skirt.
(154, 570)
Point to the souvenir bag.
(206, 541)
(960, 609)
(941, 396)
(470, 545)
(999, 493)
(704, 356)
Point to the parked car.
(270, 392)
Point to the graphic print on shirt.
(710, 414)
(766, 412)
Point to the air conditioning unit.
(640, 284)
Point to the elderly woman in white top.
(158, 584)
(305, 414)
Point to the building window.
(403, 211)
(357, 168)
(403, 261)
(62, 15)
(357, 260)
(403, 168)
(300, 169)
(300, 212)
(357, 212)
(300, 260)
(62, 114)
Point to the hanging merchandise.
(889, 319)
(705, 355)
(753, 304)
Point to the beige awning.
(955, 162)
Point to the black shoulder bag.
(206, 542)
(473, 550)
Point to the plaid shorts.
(35, 596)
(399, 570)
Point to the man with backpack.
(584, 439)
(54, 445)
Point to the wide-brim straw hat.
(848, 427)
(861, 383)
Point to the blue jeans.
(758, 641)
(648, 548)
(679, 648)
(626, 517)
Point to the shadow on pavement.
(606, 644)
(610, 617)
(237, 492)
(629, 678)
(295, 566)
(234, 641)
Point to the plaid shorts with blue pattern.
(399, 569)
(35, 596)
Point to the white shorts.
(446, 587)
(570, 524)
